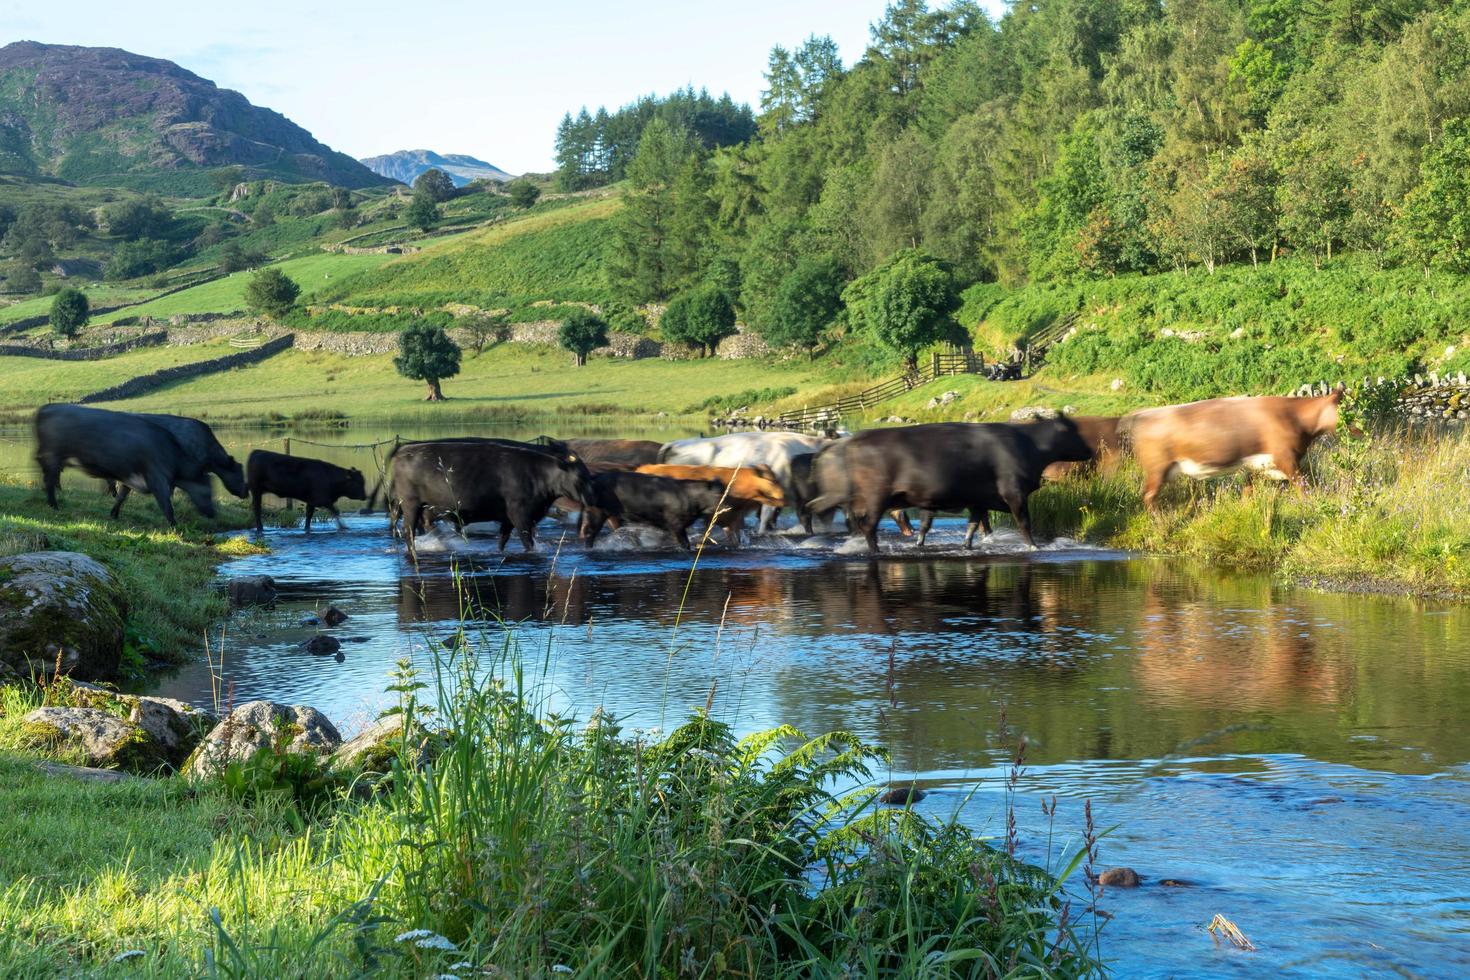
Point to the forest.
(1068, 141)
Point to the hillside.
(406, 166)
(111, 117)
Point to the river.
(1299, 760)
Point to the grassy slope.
(32, 381)
(165, 575)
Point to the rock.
(256, 725)
(103, 739)
(1031, 413)
(84, 773)
(948, 397)
(1118, 878)
(373, 749)
(902, 795)
(310, 621)
(932, 403)
(322, 645)
(252, 590)
(1176, 883)
(175, 726)
(59, 609)
(334, 616)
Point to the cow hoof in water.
(1118, 878)
(322, 645)
(902, 796)
(334, 616)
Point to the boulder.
(175, 726)
(256, 725)
(322, 645)
(1118, 878)
(334, 616)
(60, 609)
(251, 590)
(1031, 413)
(373, 749)
(103, 739)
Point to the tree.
(643, 258)
(422, 212)
(144, 217)
(485, 327)
(906, 303)
(21, 277)
(582, 332)
(523, 193)
(702, 316)
(427, 354)
(272, 292)
(434, 184)
(808, 299)
(1435, 221)
(69, 312)
(236, 258)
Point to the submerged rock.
(103, 739)
(59, 609)
(322, 645)
(251, 590)
(334, 616)
(1118, 878)
(902, 795)
(256, 725)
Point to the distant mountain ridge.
(108, 116)
(406, 165)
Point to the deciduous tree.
(582, 332)
(427, 354)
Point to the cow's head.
(759, 484)
(575, 481)
(232, 475)
(350, 484)
(1059, 440)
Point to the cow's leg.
(804, 514)
(681, 535)
(970, 527)
(120, 499)
(163, 492)
(1017, 503)
(528, 537)
(505, 529)
(901, 518)
(768, 518)
(926, 521)
(337, 515)
(310, 510)
(255, 496)
(50, 476)
(411, 512)
(1153, 482)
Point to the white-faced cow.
(1266, 435)
(775, 450)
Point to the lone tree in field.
(69, 312)
(427, 354)
(422, 212)
(523, 193)
(434, 184)
(582, 332)
(703, 316)
(808, 298)
(906, 303)
(272, 292)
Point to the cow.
(804, 491)
(644, 498)
(977, 467)
(772, 449)
(1101, 433)
(124, 449)
(1267, 435)
(314, 482)
(483, 480)
(197, 440)
(748, 487)
(602, 455)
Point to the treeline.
(1070, 139)
(593, 150)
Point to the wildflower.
(129, 954)
(436, 942)
(561, 968)
(411, 935)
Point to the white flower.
(436, 942)
(444, 976)
(561, 968)
(462, 965)
(412, 934)
(129, 954)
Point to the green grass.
(33, 381)
(531, 846)
(165, 575)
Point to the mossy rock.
(99, 737)
(258, 725)
(60, 609)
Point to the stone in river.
(1118, 878)
(322, 645)
(902, 795)
(334, 616)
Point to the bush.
(523, 193)
(807, 300)
(422, 212)
(234, 257)
(702, 316)
(427, 354)
(272, 292)
(69, 312)
(140, 258)
(582, 332)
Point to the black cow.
(124, 449)
(314, 482)
(602, 455)
(483, 480)
(197, 440)
(641, 498)
(804, 490)
(977, 467)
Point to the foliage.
(427, 354)
(433, 184)
(807, 301)
(582, 332)
(906, 303)
(69, 312)
(485, 328)
(702, 316)
(235, 257)
(135, 218)
(271, 291)
(523, 193)
(422, 212)
(278, 776)
(145, 256)
(741, 399)
(1435, 222)
(655, 250)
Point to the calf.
(749, 487)
(643, 498)
(1268, 435)
(123, 449)
(772, 449)
(314, 482)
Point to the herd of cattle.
(945, 466)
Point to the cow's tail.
(834, 486)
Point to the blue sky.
(490, 78)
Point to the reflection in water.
(1273, 746)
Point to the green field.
(31, 381)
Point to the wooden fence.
(940, 365)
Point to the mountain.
(406, 165)
(108, 116)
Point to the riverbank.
(1389, 514)
(511, 842)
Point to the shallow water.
(1298, 759)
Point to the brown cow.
(749, 487)
(604, 455)
(1267, 435)
(1101, 433)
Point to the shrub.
(271, 291)
(523, 193)
(702, 316)
(807, 300)
(69, 312)
(582, 332)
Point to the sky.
(490, 79)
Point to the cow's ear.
(1336, 395)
